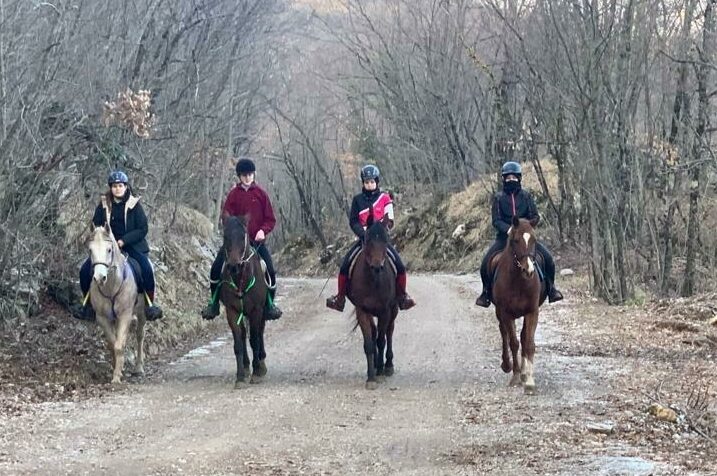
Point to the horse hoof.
(515, 381)
(240, 385)
(256, 379)
(506, 367)
(371, 385)
(380, 378)
(530, 390)
(260, 369)
(388, 371)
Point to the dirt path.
(445, 411)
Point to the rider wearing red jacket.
(250, 200)
(371, 201)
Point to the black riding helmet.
(117, 177)
(245, 166)
(369, 172)
(511, 168)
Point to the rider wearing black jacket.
(514, 201)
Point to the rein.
(237, 287)
(110, 267)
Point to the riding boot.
(404, 300)
(338, 301)
(152, 312)
(484, 299)
(84, 310)
(553, 294)
(271, 310)
(212, 309)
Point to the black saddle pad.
(137, 271)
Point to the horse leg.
(369, 346)
(255, 336)
(506, 364)
(118, 347)
(514, 347)
(388, 368)
(139, 364)
(530, 324)
(383, 321)
(239, 334)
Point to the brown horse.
(243, 292)
(372, 291)
(518, 291)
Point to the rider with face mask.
(514, 201)
(371, 201)
(129, 227)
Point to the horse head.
(104, 253)
(236, 242)
(375, 248)
(521, 240)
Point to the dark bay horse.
(243, 292)
(372, 290)
(518, 292)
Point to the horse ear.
(534, 222)
(369, 220)
(516, 221)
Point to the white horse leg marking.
(528, 372)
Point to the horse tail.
(356, 322)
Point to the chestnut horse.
(518, 291)
(243, 292)
(372, 290)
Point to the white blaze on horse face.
(531, 267)
(100, 255)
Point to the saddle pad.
(137, 272)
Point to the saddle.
(353, 259)
(264, 271)
(493, 265)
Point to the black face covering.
(511, 187)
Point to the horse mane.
(377, 232)
(235, 226)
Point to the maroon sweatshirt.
(253, 203)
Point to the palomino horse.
(372, 291)
(115, 299)
(244, 292)
(518, 291)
